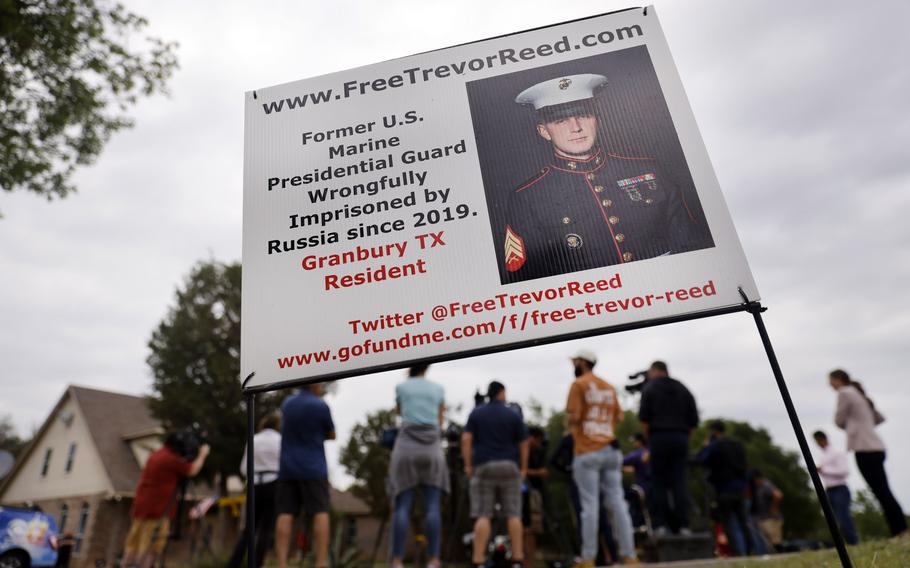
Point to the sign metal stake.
(250, 528)
(756, 309)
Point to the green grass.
(875, 554)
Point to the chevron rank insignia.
(515, 251)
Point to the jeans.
(669, 453)
(597, 473)
(401, 519)
(839, 496)
(872, 467)
(731, 508)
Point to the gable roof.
(112, 419)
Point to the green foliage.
(195, 364)
(69, 69)
(868, 517)
(9, 440)
(367, 461)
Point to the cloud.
(804, 112)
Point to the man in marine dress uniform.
(589, 207)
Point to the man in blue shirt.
(306, 423)
(494, 445)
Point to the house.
(82, 467)
(84, 463)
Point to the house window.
(64, 513)
(70, 457)
(80, 530)
(47, 461)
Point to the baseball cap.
(587, 355)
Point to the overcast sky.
(804, 108)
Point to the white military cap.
(587, 355)
(561, 90)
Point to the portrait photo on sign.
(582, 167)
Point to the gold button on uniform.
(627, 256)
(566, 220)
(619, 237)
(613, 219)
(649, 201)
(572, 165)
(573, 241)
(597, 160)
(607, 203)
(590, 177)
(599, 188)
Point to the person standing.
(668, 415)
(266, 461)
(834, 469)
(856, 414)
(303, 479)
(766, 500)
(418, 461)
(533, 497)
(155, 504)
(725, 460)
(494, 446)
(592, 413)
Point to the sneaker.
(661, 532)
(582, 563)
(685, 531)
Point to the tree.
(69, 69)
(195, 363)
(9, 440)
(367, 461)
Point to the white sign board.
(545, 184)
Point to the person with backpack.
(725, 460)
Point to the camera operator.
(494, 445)
(668, 415)
(155, 504)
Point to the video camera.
(186, 442)
(641, 378)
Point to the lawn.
(875, 554)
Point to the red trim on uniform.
(546, 170)
(594, 169)
(686, 205)
(606, 220)
(621, 157)
(586, 160)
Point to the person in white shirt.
(266, 456)
(834, 468)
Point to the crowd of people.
(507, 467)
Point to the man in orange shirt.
(592, 413)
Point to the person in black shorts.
(303, 482)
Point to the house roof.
(347, 503)
(112, 419)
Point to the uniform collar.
(578, 166)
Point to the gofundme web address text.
(510, 323)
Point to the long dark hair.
(842, 376)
